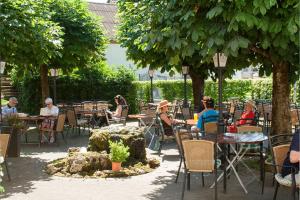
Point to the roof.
(108, 14)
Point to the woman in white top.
(49, 110)
(120, 101)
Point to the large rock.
(132, 136)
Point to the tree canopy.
(263, 33)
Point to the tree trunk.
(281, 118)
(44, 81)
(198, 90)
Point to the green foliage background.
(98, 82)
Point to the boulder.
(132, 136)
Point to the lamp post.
(185, 71)
(54, 74)
(220, 60)
(151, 74)
(2, 68)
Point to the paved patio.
(29, 182)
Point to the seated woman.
(166, 119)
(292, 159)
(247, 117)
(49, 110)
(121, 102)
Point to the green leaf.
(195, 36)
(214, 12)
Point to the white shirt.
(53, 111)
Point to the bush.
(98, 82)
(118, 152)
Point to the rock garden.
(109, 147)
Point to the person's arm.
(166, 119)
(295, 151)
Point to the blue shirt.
(208, 116)
(7, 110)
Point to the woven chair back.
(124, 112)
(71, 118)
(280, 153)
(181, 136)
(199, 155)
(88, 105)
(4, 141)
(60, 122)
(248, 128)
(211, 128)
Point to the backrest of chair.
(211, 128)
(101, 105)
(4, 141)
(280, 153)
(124, 112)
(159, 122)
(248, 128)
(199, 155)
(60, 122)
(88, 105)
(186, 112)
(181, 136)
(71, 118)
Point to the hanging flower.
(1, 174)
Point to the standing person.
(10, 108)
(50, 111)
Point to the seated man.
(10, 108)
(292, 159)
(209, 114)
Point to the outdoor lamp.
(151, 73)
(220, 60)
(2, 67)
(54, 72)
(185, 71)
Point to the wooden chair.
(199, 156)
(74, 122)
(59, 128)
(248, 128)
(121, 120)
(4, 142)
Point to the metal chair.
(4, 142)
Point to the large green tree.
(49, 33)
(168, 34)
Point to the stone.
(153, 163)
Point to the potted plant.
(118, 154)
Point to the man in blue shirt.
(208, 114)
(10, 108)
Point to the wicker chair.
(248, 128)
(59, 127)
(181, 136)
(199, 156)
(4, 141)
(280, 145)
(121, 120)
(74, 122)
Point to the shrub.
(118, 152)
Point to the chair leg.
(263, 182)
(276, 189)
(7, 171)
(183, 185)
(189, 181)
(178, 170)
(202, 179)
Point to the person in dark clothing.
(293, 158)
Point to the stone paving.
(29, 182)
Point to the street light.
(185, 71)
(54, 74)
(151, 74)
(220, 60)
(2, 68)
